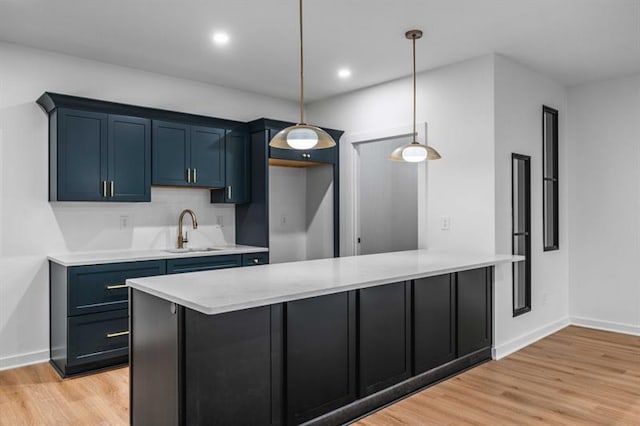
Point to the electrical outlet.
(220, 221)
(124, 222)
(283, 220)
(545, 298)
(445, 223)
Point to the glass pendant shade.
(302, 137)
(414, 153)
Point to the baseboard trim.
(615, 327)
(521, 342)
(23, 360)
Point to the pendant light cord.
(414, 88)
(301, 70)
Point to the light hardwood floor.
(574, 377)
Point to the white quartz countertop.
(102, 257)
(215, 292)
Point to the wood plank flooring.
(574, 377)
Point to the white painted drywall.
(300, 213)
(457, 103)
(31, 227)
(604, 188)
(478, 112)
(319, 212)
(287, 214)
(519, 96)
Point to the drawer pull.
(118, 334)
(256, 260)
(116, 286)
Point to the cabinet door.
(384, 336)
(82, 155)
(434, 305)
(206, 263)
(233, 367)
(320, 355)
(170, 154)
(101, 337)
(129, 158)
(237, 190)
(325, 155)
(100, 288)
(208, 157)
(474, 310)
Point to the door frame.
(356, 140)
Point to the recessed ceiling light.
(344, 73)
(221, 38)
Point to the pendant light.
(414, 152)
(302, 136)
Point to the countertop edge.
(313, 293)
(160, 255)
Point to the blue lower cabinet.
(195, 264)
(99, 339)
(88, 305)
(89, 317)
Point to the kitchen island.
(318, 342)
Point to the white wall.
(287, 214)
(457, 103)
(31, 227)
(519, 96)
(319, 212)
(604, 165)
(300, 213)
(478, 113)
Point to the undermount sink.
(192, 250)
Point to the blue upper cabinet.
(171, 154)
(207, 157)
(99, 157)
(186, 155)
(129, 158)
(106, 151)
(78, 151)
(237, 170)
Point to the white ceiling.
(572, 41)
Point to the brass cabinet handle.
(104, 188)
(188, 175)
(117, 334)
(195, 175)
(116, 286)
(229, 192)
(113, 188)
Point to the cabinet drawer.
(98, 337)
(251, 259)
(326, 155)
(100, 288)
(195, 264)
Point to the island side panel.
(155, 353)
